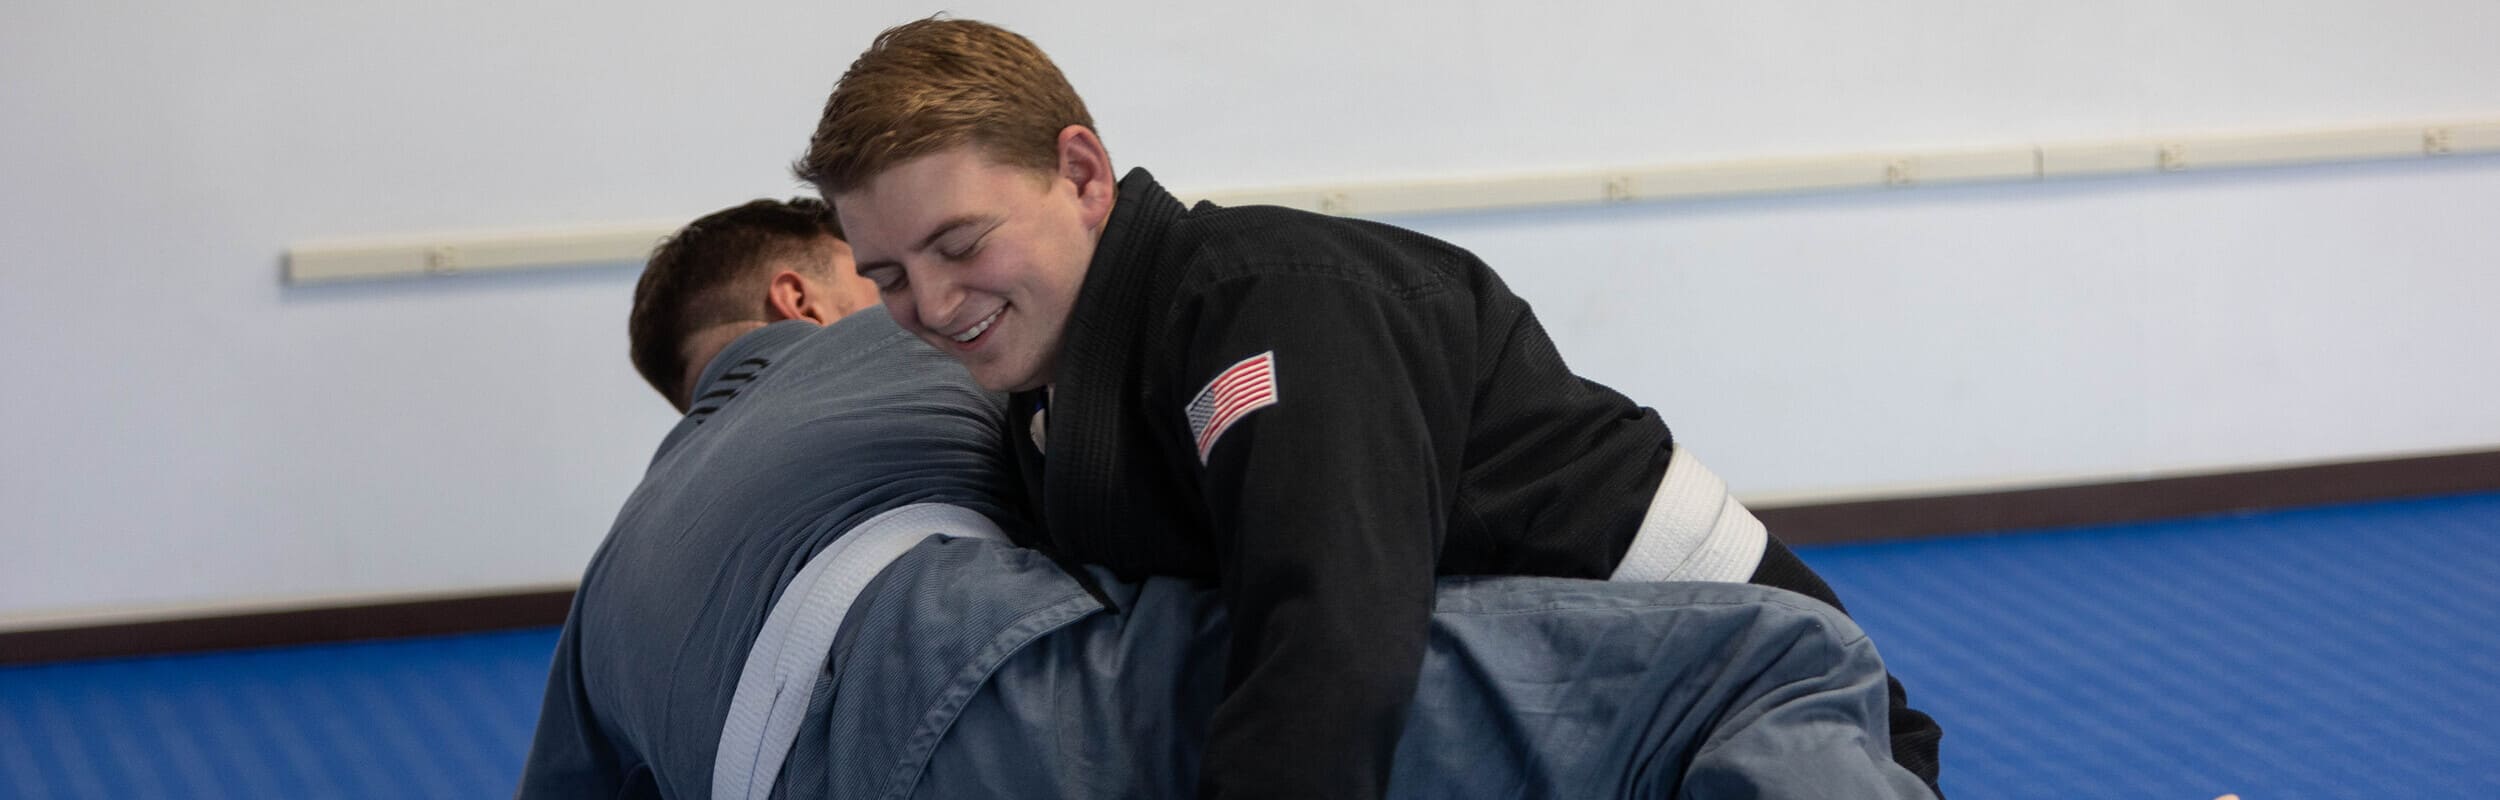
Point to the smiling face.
(982, 260)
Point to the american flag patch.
(1235, 392)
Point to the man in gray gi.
(811, 595)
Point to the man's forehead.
(888, 197)
(898, 208)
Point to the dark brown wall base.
(377, 621)
(2126, 501)
(2134, 501)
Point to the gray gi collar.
(742, 361)
(748, 357)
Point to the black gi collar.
(1099, 369)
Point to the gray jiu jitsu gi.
(1531, 687)
(797, 434)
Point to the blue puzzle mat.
(2348, 652)
(2343, 652)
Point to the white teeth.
(977, 330)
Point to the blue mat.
(2342, 652)
(439, 717)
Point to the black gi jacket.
(1422, 425)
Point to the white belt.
(1694, 531)
(780, 674)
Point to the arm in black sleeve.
(1915, 735)
(1327, 506)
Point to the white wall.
(186, 431)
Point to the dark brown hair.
(707, 274)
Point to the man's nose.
(937, 300)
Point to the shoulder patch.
(1234, 393)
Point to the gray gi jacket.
(797, 434)
(1532, 687)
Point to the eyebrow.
(926, 242)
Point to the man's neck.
(704, 345)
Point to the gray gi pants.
(1532, 687)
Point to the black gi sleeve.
(1327, 507)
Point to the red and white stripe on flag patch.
(1238, 390)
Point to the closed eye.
(962, 250)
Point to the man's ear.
(790, 297)
(1084, 162)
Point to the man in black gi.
(1320, 414)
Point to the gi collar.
(1100, 364)
(1122, 281)
(743, 359)
(858, 336)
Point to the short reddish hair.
(933, 84)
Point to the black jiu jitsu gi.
(1321, 415)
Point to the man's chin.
(1000, 381)
(996, 371)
